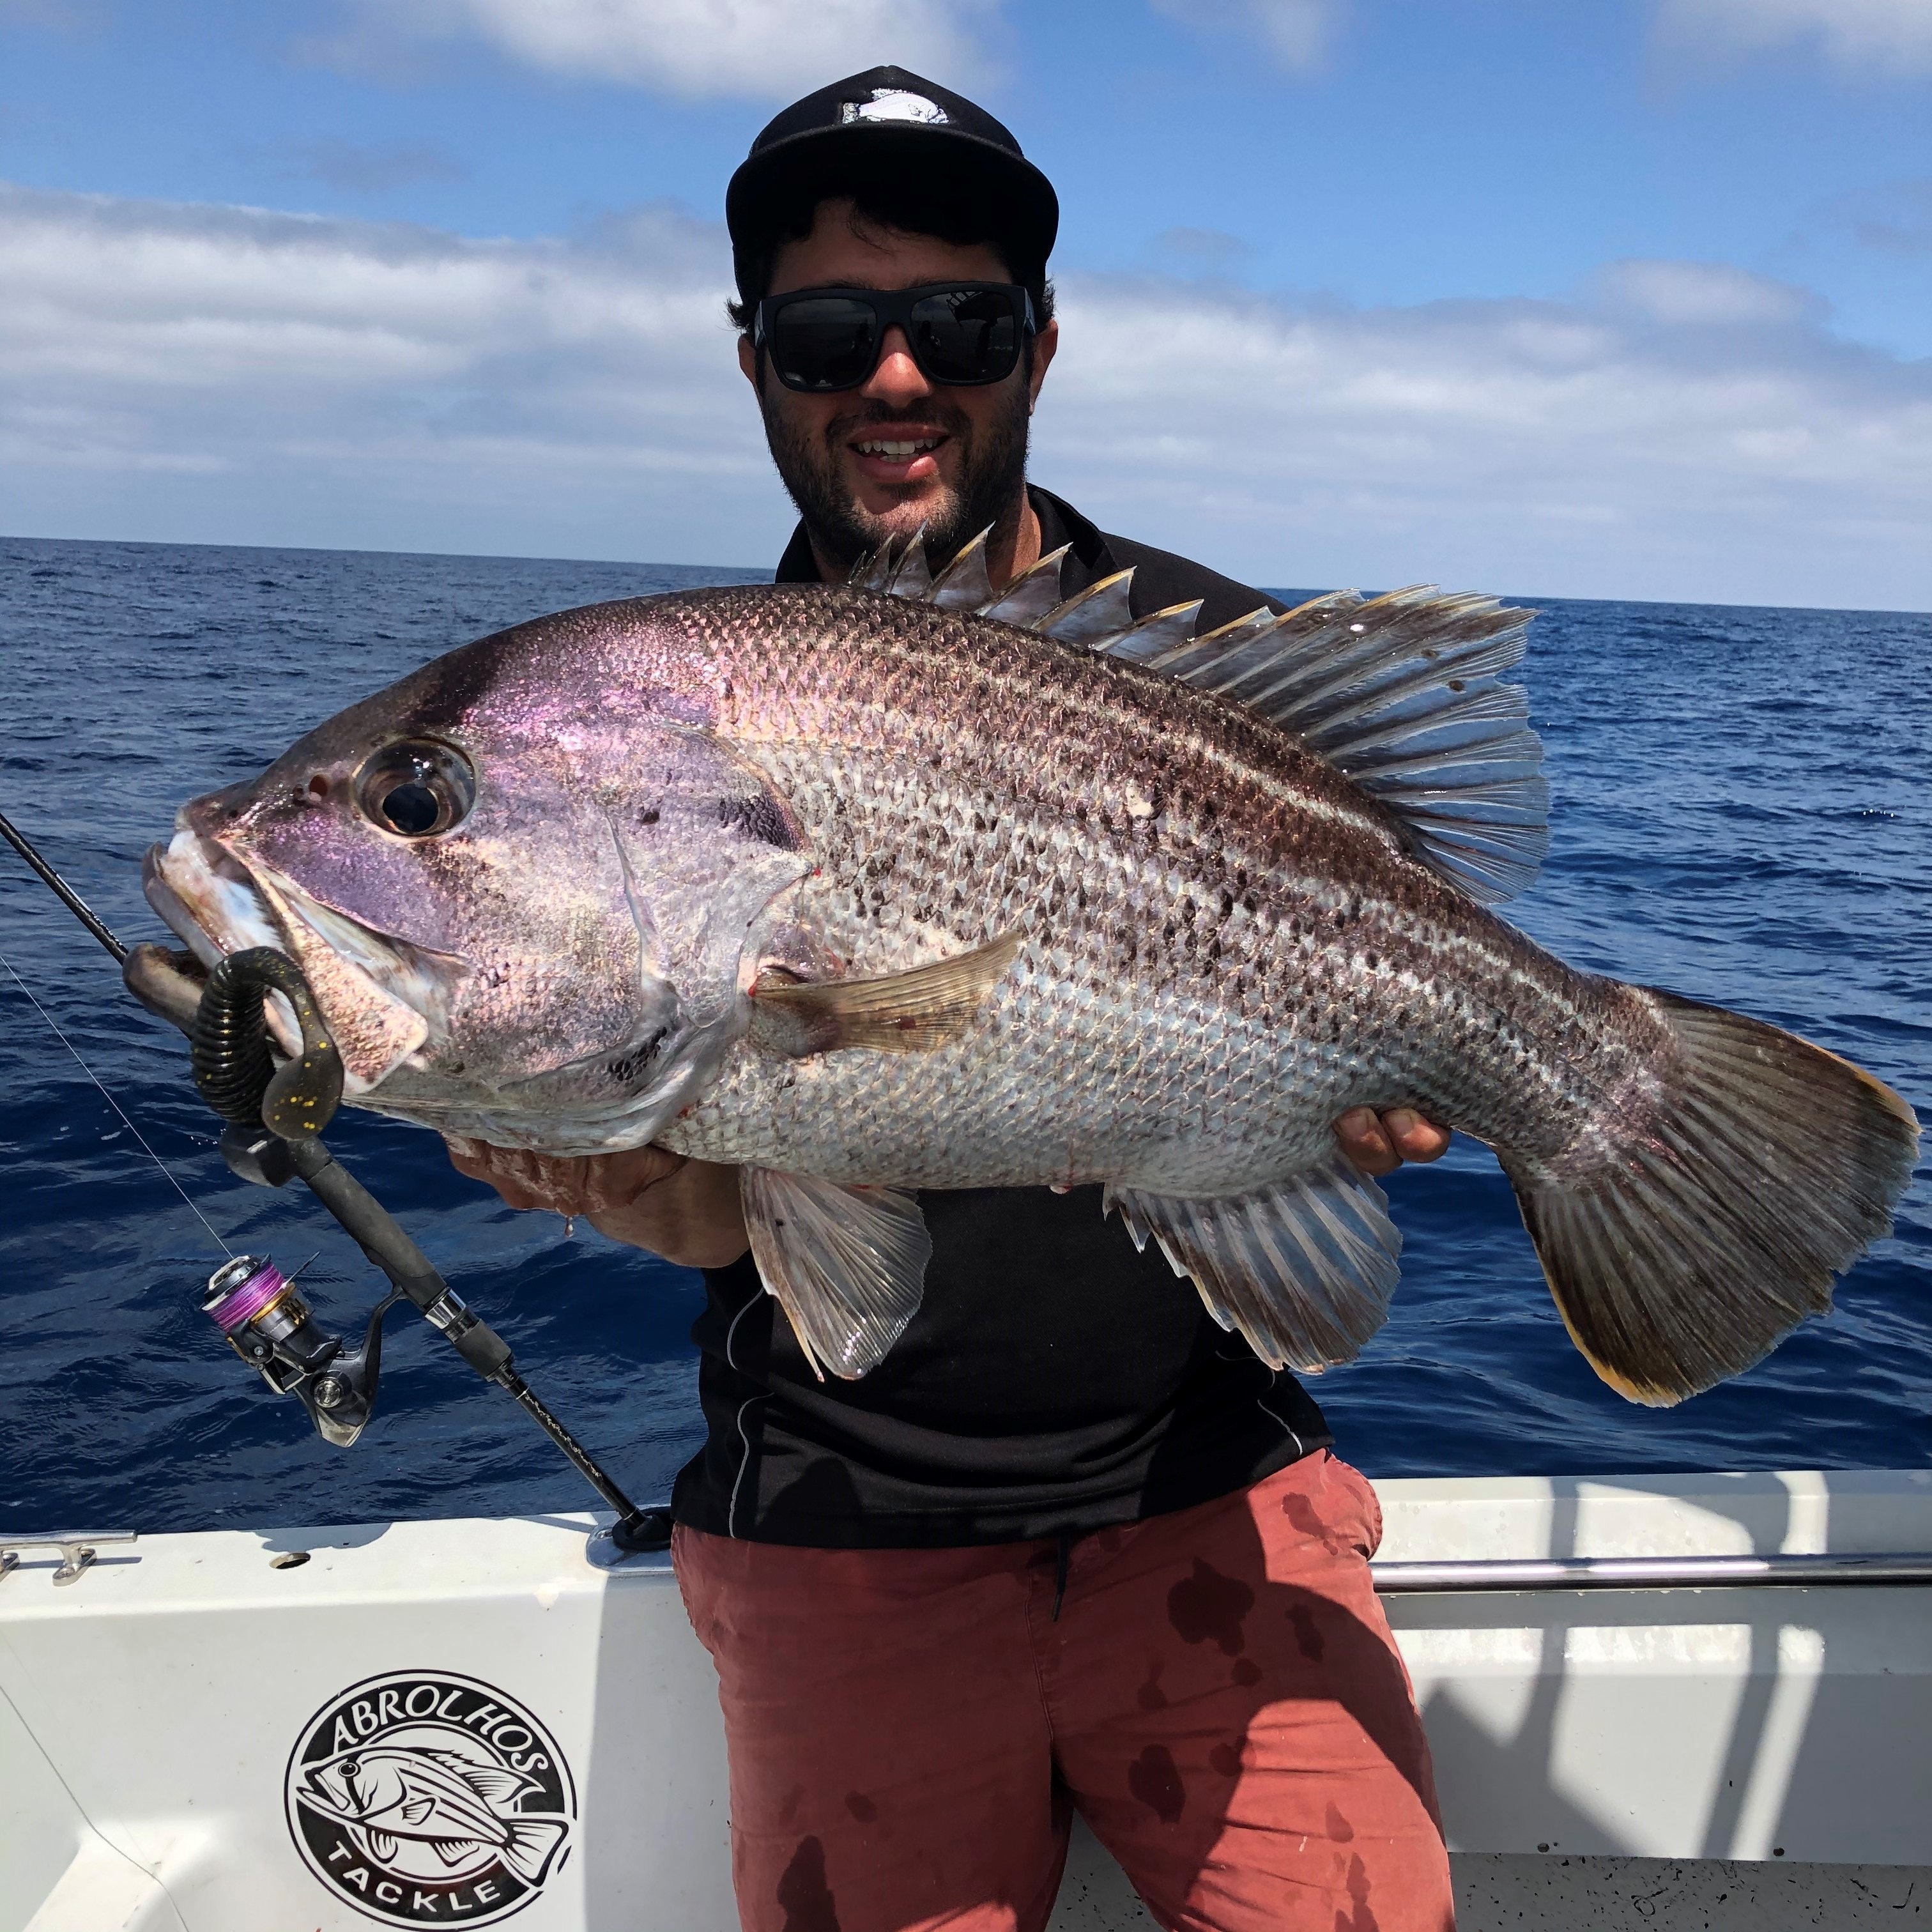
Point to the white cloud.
(1298, 33)
(1891, 37)
(1678, 432)
(1711, 294)
(764, 49)
(233, 375)
(343, 382)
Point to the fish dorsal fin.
(913, 576)
(492, 1783)
(1031, 594)
(912, 1012)
(1303, 1269)
(1401, 692)
(497, 1786)
(964, 584)
(874, 571)
(1093, 617)
(847, 1265)
(1154, 637)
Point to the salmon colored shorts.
(910, 1730)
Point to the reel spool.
(269, 1325)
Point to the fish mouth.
(381, 998)
(207, 897)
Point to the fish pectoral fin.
(530, 1844)
(911, 1011)
(1303, 1268)
(417, 1809)
(382, 1845)
(847, 1265)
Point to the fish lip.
(172, 909)
(187, 881)
(219, 903)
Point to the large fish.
(459, 1809)
(870, 893)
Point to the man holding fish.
(875, 946)
(1070, 1546)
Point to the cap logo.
(888, 104)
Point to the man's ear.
(748, 360)
(1044, 344)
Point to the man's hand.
(686, 1211)
(1380, 1143)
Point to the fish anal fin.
(846, 1264)
(454, 1851)
(1303, 1268)
(912, 1011)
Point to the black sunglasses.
(962, 334)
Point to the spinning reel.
(275, 1116)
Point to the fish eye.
(416, 789)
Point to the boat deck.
(1752, 1754)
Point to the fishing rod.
(275, 1116)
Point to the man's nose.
(896, 380)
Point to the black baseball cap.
(886, 124)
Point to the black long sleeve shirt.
(1054, 1380)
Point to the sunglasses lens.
(826, 342)
(966, 335)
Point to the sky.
(1571, 298)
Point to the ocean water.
(1741, 815)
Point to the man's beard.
(990, 491)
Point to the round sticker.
(424, 1798)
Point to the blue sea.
(1741, 815)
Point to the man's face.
(845, 457)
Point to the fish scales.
(1202, 982)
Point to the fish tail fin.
(1685, 1242)
(531, 1843)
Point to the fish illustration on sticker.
(419, 1795)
